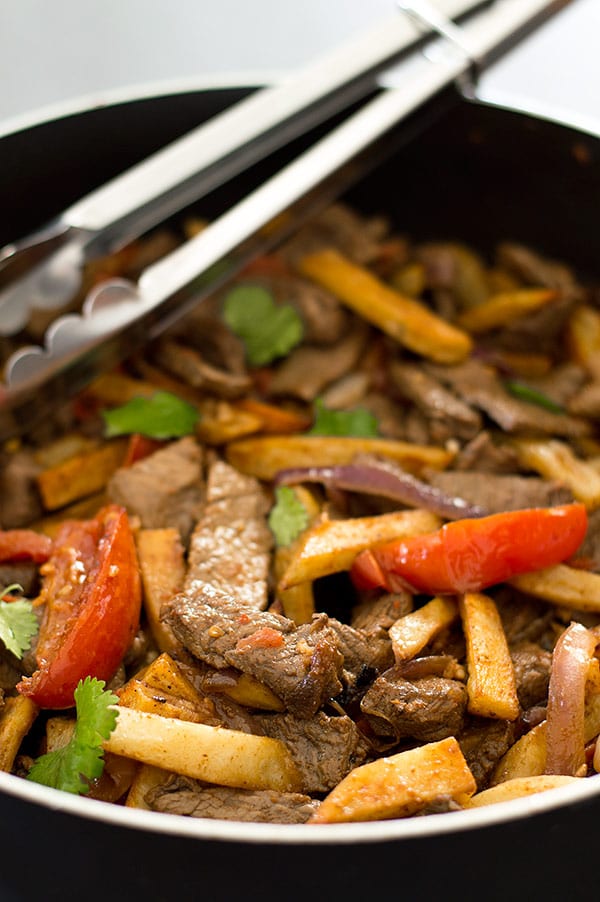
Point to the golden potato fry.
(411, 633)
(400, 785)
(82, 475)
(583, 337)
(401, 317)
(221, 422)
(410, 279)
(162, 568)
(331, 545)
(114, 389)
(214, 754)
(16, 719)
(243, 689)
(298, 601)
(265, 456)
(163, 689)
(503, 308)
(491, 684)
(146, 778)
(562, 585)
(517, 788)
(555, 460)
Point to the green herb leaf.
(18, 623)
(268, 330)
(359, 422)
(288, 517)
(81, 760)
(526, 393)
(162, 416)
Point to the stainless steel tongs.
(118, 314)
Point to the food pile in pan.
(327, 551)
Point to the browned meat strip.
(374, 614)
(478, 384)
(323, 317)
(448, 416)
(532, 672)
(483, 455)
(229, 549)
(525, 619)
(589, 551)
(164, 489)
(365, 655)
(189, 365)
(21, 503)
(534, 269)
(586, 403)
(24, 574)
(427, 709)
(483, 743)
(181, 795)
(338, 226)
(324, 748)
(496, 493)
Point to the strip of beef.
(484, 455)
(164, 489)
(532, 672)
(21, 503)
(448, 416)
(308, 369)
(230, 546)
(192, 798)
(589, 551)
(586, 403)
(496, 493)
(373, 614)
(190, 366)
(483, 744)
(324, 748)
(365, 655)
(525, 619)
(479, 384)
(534, 269)
(426, 709)
(24, 574)
(301, 665)
(337, 226)
(323, 317)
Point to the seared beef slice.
(217, 617)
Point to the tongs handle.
(229, 142)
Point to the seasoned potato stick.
(399, 785)
(504, 308)
(517, 788)
(583, 337)
(265, 456)
(114, 389)
(410, 279)
(16, 719)
(491, 684)
(401, 317)
(249, 692)
(555, 460)
(562, 585)
(164, 690)
(274, 419)
(331, 545)
(298, 602)
(214, 754)
(162, 568)
(146, 778)
(222, 422)
(82, 475)
(411, 633)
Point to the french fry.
(411, 633)
(400, 785)
(82, 475)
(583, 337)
(264, 456)
(274, 419)
(146, 778)
(249, 692)
(401, 317)
(503, 308)
(160, 555)
(331, 545)
(196, 750)
(164, 690)
(568, 587)
(517, 788)
(491, 684)
(114, 389)
(410, 279)
(16, 719)
(298, 602)
(221, 422)
(555, 460)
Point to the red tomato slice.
(469, 555)
(24, 545)
(92, 593)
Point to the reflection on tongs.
(118, 316)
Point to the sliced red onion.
(565, 741)
(387, 481)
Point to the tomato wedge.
(92, 595)
(24, 545)
(469, 555)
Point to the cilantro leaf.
(72, 767)
(288, 517)
(162, 416)
(527, 393)
(268, 330)
(18, 623)
(358, 422)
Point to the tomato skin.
(24, 545)
(470, 555)
(93, 593)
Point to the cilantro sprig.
(288, 517)
(268, 330)
(161, 416)
(358, 423)
(72, 767)
(18, 623)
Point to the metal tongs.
(117, 315)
